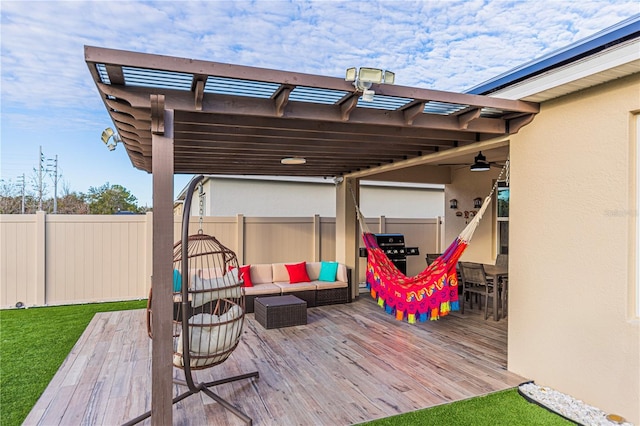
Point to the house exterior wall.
(573, 321)
(266, 197)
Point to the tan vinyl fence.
(67, 259)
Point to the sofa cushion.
(313, 269)
(302, 286)
(342, 273)
(280, 273)
(261, 273)
(324, 285)
(260, 289)
(328, 271)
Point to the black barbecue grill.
(393, 246)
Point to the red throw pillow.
(245, 274)
(298, 273)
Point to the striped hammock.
(432, 293)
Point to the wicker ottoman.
(280, 311)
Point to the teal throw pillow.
(328, 271)
(177, 281)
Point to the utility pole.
(55, 182)
(40, 171)
(22, 182)
(50, 163)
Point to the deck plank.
(350, 363)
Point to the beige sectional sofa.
(272, 279)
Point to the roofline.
(611, 36)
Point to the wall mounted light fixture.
(477, 203)
(453, 203)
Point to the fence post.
(438, 234)
(317, 254)
(41, 258)
(240, 238)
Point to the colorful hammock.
(432, 293)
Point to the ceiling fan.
(480, 164)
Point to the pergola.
(186, 116)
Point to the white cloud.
(445, 45)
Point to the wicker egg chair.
(208, 309)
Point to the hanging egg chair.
(214, 313)
(208, 308)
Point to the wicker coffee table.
(280, 311)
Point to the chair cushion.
(207, 289)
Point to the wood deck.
(350, 363)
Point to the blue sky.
(48, 98)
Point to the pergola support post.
(347, 228)
(162, 344)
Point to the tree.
(9, 202)
(111, 199)
(73, 203)
(11, 199)
(70, 202)
(107, 199)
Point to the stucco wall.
(572, 323)
(465, 187)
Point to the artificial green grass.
(33, 344)
(500, 408)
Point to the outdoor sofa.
(317, 283)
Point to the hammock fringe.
(412, 317)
